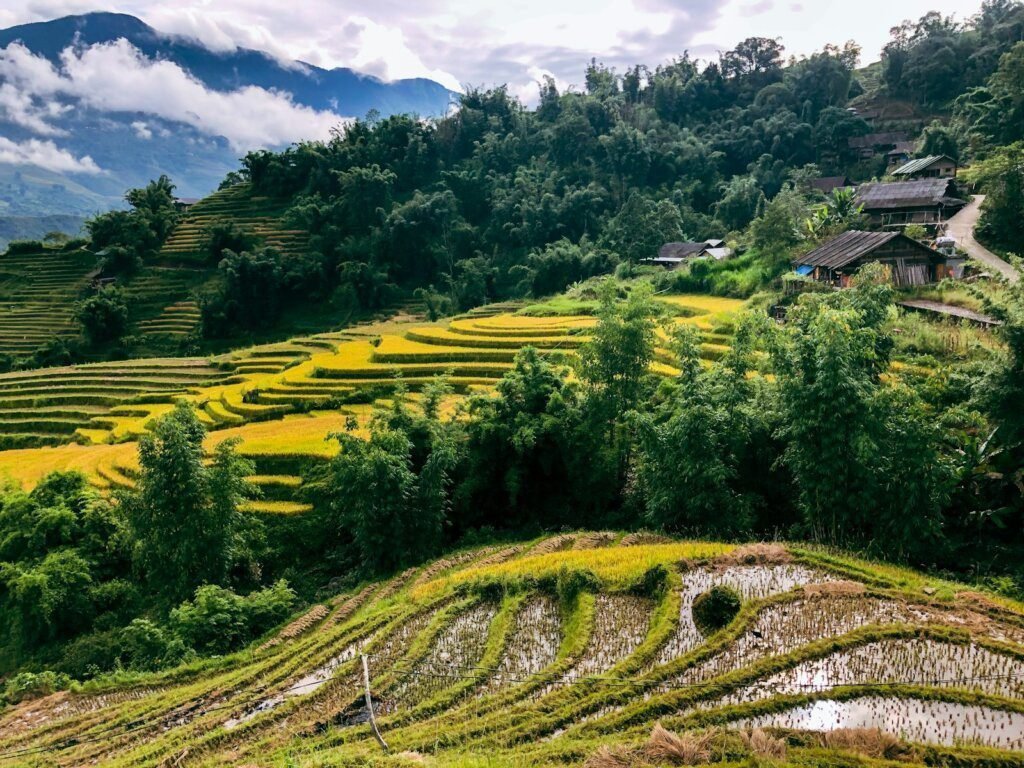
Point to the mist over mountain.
(93, 104)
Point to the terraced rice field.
(159, 298)
(38, 292)
(282, 399)
(521, 676)
(260, 216)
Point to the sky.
(458, 43)
(483, 42)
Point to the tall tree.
(184, 517)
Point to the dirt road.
(961, 228)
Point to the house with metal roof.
(900, 154)
(931, 167)
(893, 204)
(671, 255)
(907, 261)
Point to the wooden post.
(369, 705)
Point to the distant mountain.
(128, 147)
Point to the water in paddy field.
(751, 582)
(930, 722)
(909, 662)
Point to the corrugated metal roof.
(846, 248)
(680, 250)
(903, 194)
(914, 166)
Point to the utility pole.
(369, 704)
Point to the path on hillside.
(961, 228)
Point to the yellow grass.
(27, 466)
(616, 567)
(276, 507)
(706, 305)
(508, 322)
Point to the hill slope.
(539, 653)
(283, 399)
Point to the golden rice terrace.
(284, 399)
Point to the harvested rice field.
(827, 656)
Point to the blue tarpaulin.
(804, 269)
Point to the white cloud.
(117, 77)
(45, 154)
(382, 51)
(18, 107)
(489, 42)
(142, 130)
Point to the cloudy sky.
(483, 42)
(456, 42)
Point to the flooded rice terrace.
(751, 582)
(904, 662)
(932, 722)
(532, 646)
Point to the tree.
(779, 228)
(223, 236)
(688, 464)
(517, 474)
(938, 139)
(837, 214)
(641, 227)
(63, 554)
(1001, 176)
(863, 454)
(104, 316)
(391, 491)
(614, 363)
(249, 296)
(184, 517)
(143, 229)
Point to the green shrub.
(148, 646)
(24, 246)
(104, 316)
(30, 685)
(653, 582)
(571, 583)
(715, 608)
(219, 620)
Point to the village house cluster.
(920, 192)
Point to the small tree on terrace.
(184, 517)
(392, 491)
(104, 316)
(614, 364)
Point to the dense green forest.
(499, 201)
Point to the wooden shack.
(931, 167)
(907, 261)
(896, 204)
(671, 255)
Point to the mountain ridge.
(131, 147)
